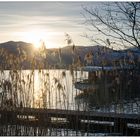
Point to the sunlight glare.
(35, 38)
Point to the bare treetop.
(114, 24)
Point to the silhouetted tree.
(115, 24)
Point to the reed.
(40, 88)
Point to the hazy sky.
(49, 21)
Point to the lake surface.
(45, 88)
(54, 89)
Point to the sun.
(35, 38)
(37, 43)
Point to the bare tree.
(114, 24)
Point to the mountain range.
(63, 57)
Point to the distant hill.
(63, 57)
(12, 47)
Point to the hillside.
(62, 58)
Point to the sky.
(47, 21)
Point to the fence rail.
(71, 119)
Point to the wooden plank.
(78, 120)
(130, 118)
